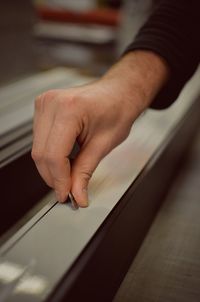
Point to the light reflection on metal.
(20, 280)
(32, 285)
(74, 204)
(9, 272)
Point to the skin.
(98, 115)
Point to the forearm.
(172, 32)
(139, 76)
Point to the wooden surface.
(167, 267)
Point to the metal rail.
(85, 253)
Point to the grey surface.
(17, 99)
(62, 232)
(22, 54)
(167, 267)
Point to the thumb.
(83, 168)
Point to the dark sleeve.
(173, 32)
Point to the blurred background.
(87, 34)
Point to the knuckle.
(75, 98)
(62, 102)
(68, 105)
(45, 97)
(49, 95)
(72, 100)
(36, 155)
(86, 175)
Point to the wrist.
(139, 76)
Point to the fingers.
(43, 120)
(84, 166)
(60, 118)
(54, 135)
(59, 145)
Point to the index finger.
(59, 145)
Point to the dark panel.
(18, 51)
(21, 188)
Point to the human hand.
(98, 115)
(95, 117)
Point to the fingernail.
(85, 204)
